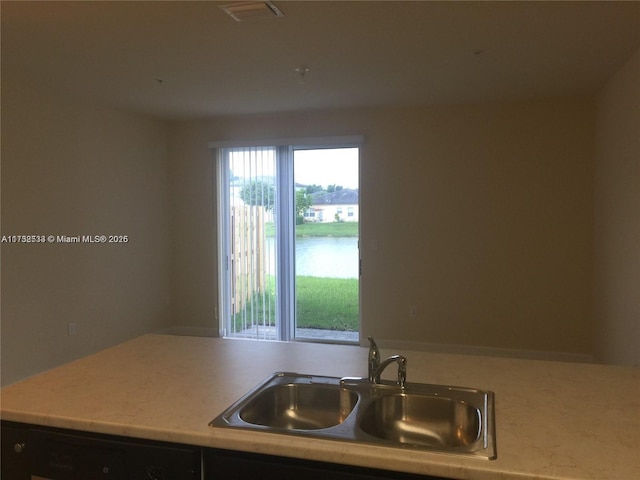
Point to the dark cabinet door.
(14, 464)
(52, 453)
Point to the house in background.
(337, 206)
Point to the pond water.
(335, 257)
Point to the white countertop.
(553, 420)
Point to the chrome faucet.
(376, 367)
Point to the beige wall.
(70, 168)
(480, 215)
(617, 218)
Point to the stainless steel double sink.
(440, 418)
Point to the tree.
(258, 193)
(334, 188)
(303, 202)
(313, 188)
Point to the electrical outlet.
(72, 328)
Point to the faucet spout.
(402, 369)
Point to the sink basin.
(438, 418)
(422, 420)
(300, 406)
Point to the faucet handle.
(374, 359)
(374, 353)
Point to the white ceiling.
(359, 53)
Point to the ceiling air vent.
(243, 11)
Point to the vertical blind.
(252, 253)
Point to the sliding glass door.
(288, 224)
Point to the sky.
(327, 167)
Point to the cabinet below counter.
(553, 420)
(31, 451)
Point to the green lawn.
(323, 303)
(327, 303)
(334, 229)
